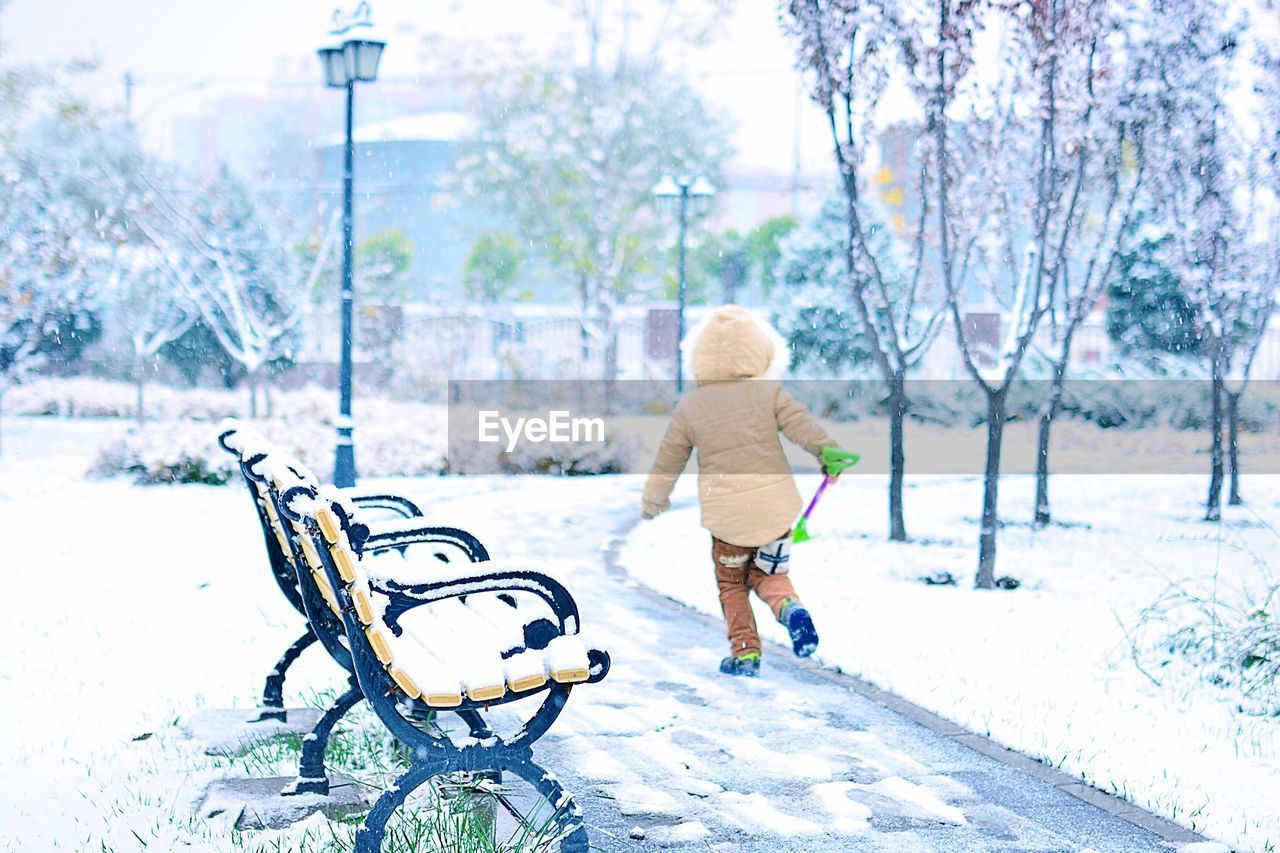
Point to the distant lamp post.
(683, 196)
(354, 59)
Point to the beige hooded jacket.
(733, 418)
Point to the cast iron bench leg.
(312, 778)
(476, 723)
(273, 692)
(567, 816)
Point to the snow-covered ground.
(130, 607)
(1047, 669)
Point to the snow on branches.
(64, 204)
(237, 272)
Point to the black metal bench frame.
(433, 753)
(292, 576)
(287, 579)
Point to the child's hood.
(732, 343)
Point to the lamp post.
(682, 195)
(354, 59)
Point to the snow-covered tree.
(1260, 301)
(1100, 87)
(492, 269)
(151, 305)
(237, 271)
(47, 264)
(1009, 138)
(1148, 313)
(846, 48)
(1039, 191)
(1216, 182)
(568, 151)
(814, 306)
(65, 204)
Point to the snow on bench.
(447, 634)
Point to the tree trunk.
(1042, 513)
(610, 367)
(139, 379)
(897, 458)
(1213, 506)
(1, 420)
(253, 394)
(1233, 447)
(986, 578)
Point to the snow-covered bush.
(80, 397)
(181, 452)
(392, 439)
(611, 456)
(614, 455)
(1229, 637)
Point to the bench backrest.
(250, 449)
(269, 473)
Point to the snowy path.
(789, 762)
(140, 604)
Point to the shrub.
(168, 453)
(1229, 637)
(398, 440)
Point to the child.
(745, 487)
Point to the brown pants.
(737, 576)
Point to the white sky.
(172, 46)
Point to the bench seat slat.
(453, 634)
(437, 685)
(525, 671)
(567, 659)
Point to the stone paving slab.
(257, 803)
(232, 731)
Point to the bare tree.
(1019, 168)
(1110, 151)
(238, 273)
(569, 149)
(846, 47)
(152, 306)
(1208, 154)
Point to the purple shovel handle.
(826, 481)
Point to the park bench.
(426, 630)
(267, 471)
(235, 438)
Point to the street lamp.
(682, 195)
(354, 59)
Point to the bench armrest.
(405, 597)
(411, 531)
(392, 503)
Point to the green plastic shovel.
(834, 460)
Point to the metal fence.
(421, 344)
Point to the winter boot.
(748, 665)
(799, 624)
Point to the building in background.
(402, 170)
